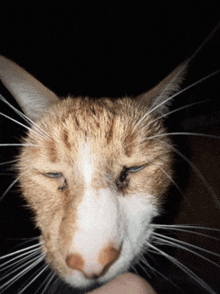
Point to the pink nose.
(106, 258)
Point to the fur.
(77, 173)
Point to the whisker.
(158, 273)
(49, 279)
(173, 241)
(176, 110)
(182, 267)
(146, 264)
(24, 126)
(187, 62)
(188, 227)
(9, 162)
(27, 240)
(179, 229)
(9, 187)
(187, 88)
(199, 174)
(36, 276)
(55, 284)
(27, 119)
(18, 145)
(171, 179)
(11, 268)
(12, 184)
(134, 269)
(33, 262)
(21, 250)
(182, 134)
(21, 258)
(205, 41)
(173, 96)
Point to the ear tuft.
(159, 97)
(32, 96)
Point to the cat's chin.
(78, 281)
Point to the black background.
(103, 48)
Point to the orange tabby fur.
(92, 144)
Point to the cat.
(96, 173)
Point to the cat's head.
(94, 171)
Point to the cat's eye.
(134, 169)
(126, 170)
(53, 175)
(61, 178)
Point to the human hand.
(126, 284)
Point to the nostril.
(75, 261)
(107, 257)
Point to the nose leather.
(106, 258)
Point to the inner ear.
(31, 95)
(159, 97)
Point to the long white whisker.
(21, 258)
(189, 60)
(187, 88)
(186, 226)
(18, 268)
(143, 268)
(134, 269)
(175, 241)
(182, 134)
(13, 267)
(18, 145)
(204, 42)
(170, 227)
(195, 169)
(173, 96)
(21, 250)
(56, 284)
(157, 272)
(172, 181)
(33, 262)
(24, 126)
(49, 279)
(183, 268)
(27, 240)
(9, 162)
(27, 119)
(24, 117)
(35, 278)
(9, 187)
(175, 110)
(16, 110)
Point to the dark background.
(104, 48)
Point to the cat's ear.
(158, 98)
(32, 96)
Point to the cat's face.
(95, 185)
(95, 172)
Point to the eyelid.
(134, 169)
(53, 175)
